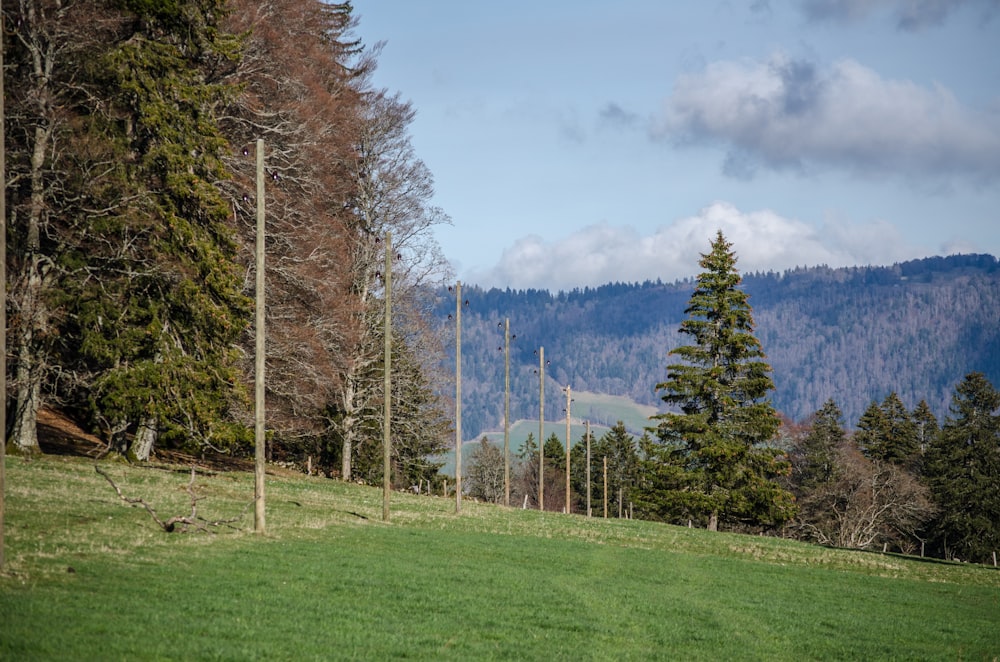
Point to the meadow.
(88, 577)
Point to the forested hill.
(851, 334)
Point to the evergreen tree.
(963, 471)
(525, 476)
(887, 432)
(58, 170)
(619, 447)
(818, 455)
(926, 424)
(817, 468)
(722, 433)
(872, 430)
(159, 329)
(419, 428)
(555, 454)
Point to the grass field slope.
(88, 577)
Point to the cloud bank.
(791, 115)
(763, 240)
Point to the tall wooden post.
(506, 412)
(605, 487)
(541, 428)
(259, 352)
(458, 397)
(568, 400)
(387, 385)
(3, 303)
(588, 469)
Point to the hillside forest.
(853, 334)
(143, 140)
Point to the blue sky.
(579, 143)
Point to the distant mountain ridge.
(851, 334)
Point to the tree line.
(131, 132)
(722, 457)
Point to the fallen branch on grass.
(180, 523)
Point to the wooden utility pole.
(605, 487)
(259, 352)
(541, 428)
(3, 301)
(506, 412)
(458, 397)
(568, 400)
(387, 385)
(588, 469)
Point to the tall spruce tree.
(818, 452)
(722, 423)
(159, 322)
(887, 432)
(963, 470)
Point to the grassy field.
(90, 578)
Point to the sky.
(580, 143)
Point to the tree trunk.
(31, 307)
(28, 376)
(145, 437)
(713, 521)
(347, 425)
(24, 432)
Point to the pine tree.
(872, 430)
(819, 448)
(623, 465)
(725, 423)
(963, 471)
(887, 432)
(926, 426)
(159, 325)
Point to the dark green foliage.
(926, 426)
(963, 470)
(817, 468)
(720, 422)
(159, 324)
(887, 432)
(624, 471)
(419, 430)
(555, 453)
(816, 459)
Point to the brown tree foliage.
(867, 503)
(302, 78)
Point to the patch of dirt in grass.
(58, 434)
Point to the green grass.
(330, 580)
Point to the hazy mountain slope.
(851, 334)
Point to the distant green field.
(89, 578)
(603, 411)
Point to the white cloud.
(763, 240)
(789, 114)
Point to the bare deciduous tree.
(869, 503)
(485, 474)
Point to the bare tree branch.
(184, 521)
